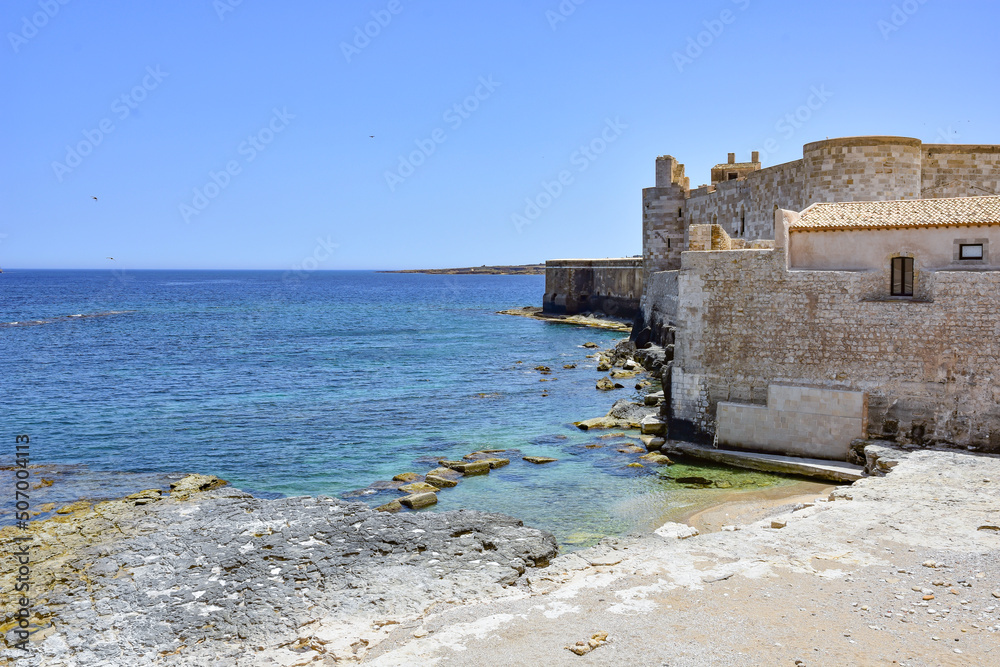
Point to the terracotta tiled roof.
(906, 213)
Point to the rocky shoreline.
(207, 573)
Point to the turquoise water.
(315, 384)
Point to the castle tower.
(861, 169)
(663, 209)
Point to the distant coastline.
(513, 270)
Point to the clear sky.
(252, 134)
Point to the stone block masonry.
(929, 365)
(610, 286)
(797, 421)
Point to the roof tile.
(900, 213)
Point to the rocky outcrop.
(208, 579)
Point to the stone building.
(743, 197)
(876, 319)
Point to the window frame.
(905, 268)
(963, 246)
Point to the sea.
(321, 383)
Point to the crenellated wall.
(610, 286)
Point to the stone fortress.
(849, 294)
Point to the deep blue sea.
(318, 383)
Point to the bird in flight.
(111, 258)
(371, 136)
(94, 198)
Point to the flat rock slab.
(209, 579)
(539, 459)
(835, 471)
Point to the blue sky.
(227, 134)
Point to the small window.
(901, 283)
(680, 213)
(743, 223)
(970, 251)
(733, 176)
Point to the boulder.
(569, 365)
(418, 500)
(631, 365)
(599, 422)
(676, 531)
(543, 369)
(622, 375)
(184, 487)
(391, 506)
(631, 449)
(653, 398)
(604, 364)
(659, 459)
(652, 425)
(539, 459)
(467, 467)
(446, 473)
(418, 487)
(653, 443)
(495, 463)
(440, 482)
(407, 477)
(591, 345)
(605, 384)
(627, 411)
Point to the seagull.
(371, 136)
(94, 198)
(111, 258)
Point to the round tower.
(861, 169)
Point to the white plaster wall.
(932, 248)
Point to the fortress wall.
(754, 197)
(662, 228)
(931, 367)
(611, 286)
(659, 305)
(861, 169)
(951, 170)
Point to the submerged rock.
(539, 459)
(440, 482)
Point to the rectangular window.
(970, 251)
(902, 276)
(733, 176)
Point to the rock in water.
(184, 487)
(418, 500)
(539, 459)
(440, 482)
(605, 384)
(418, 487)
(407, 477)
(590, 344)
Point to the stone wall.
(797, 421)
(861, 169)
(659, 306)
(954, 170)
(611, 286)
(930, 365)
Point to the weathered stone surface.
(391, 506)
(591, 345)
(184, 487)
(654, 457)
(467, 467)
(628, 411)
(539, 459)
(421, 499)
(604, 384)
(604, 364)
(623, 375)
(495, 463)
(209, 579)
(407, 477)
(652, 425)
(632, 449)
(653, 443)
(447, 473)
(418, 487)
(440, 482)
